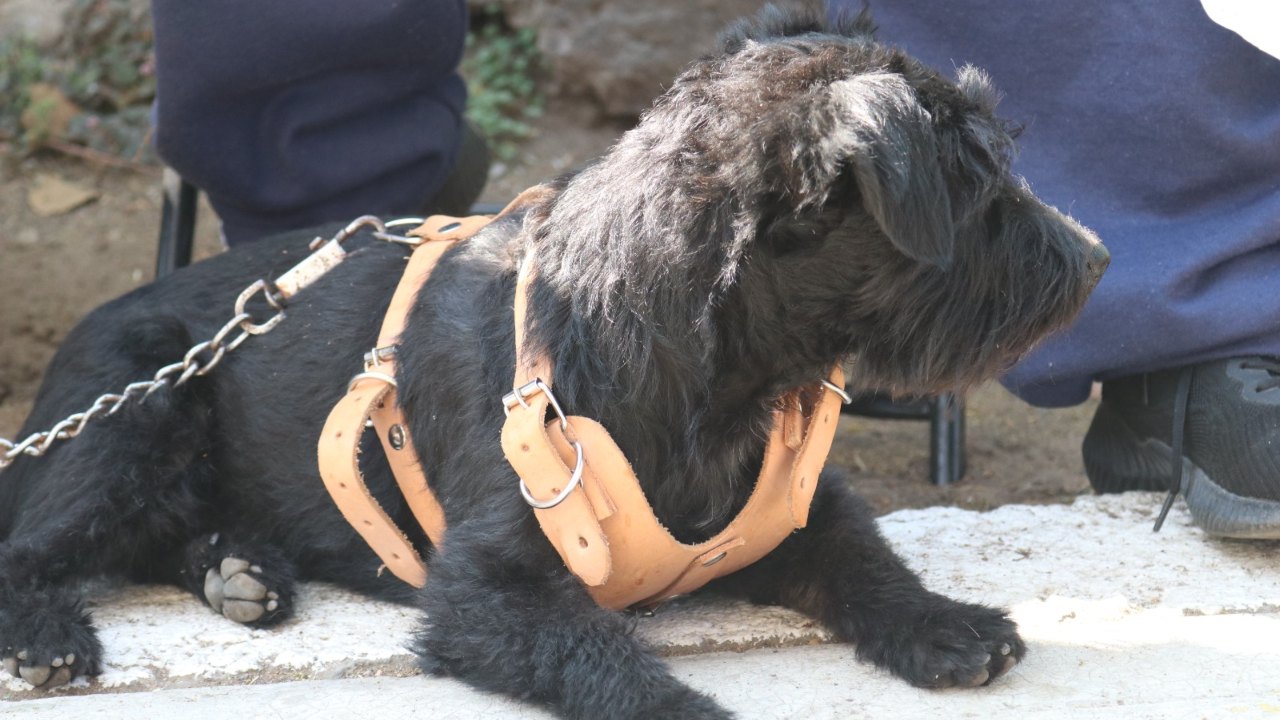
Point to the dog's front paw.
(942, 643)
(51, 642)
(246, 593)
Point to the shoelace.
(1272, 368)
(1179, 426)
(1271, 365)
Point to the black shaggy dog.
(804, 197)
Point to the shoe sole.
(1117, 460)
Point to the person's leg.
(1160, 131)
(310, 113)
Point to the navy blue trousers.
(292, 113)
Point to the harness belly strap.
(371, 396)
(586, 497)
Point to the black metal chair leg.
(945, 413)
(177, 224)
(946, 439)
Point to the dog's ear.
(891, 147)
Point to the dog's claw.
(11, 666)
(1005, 649)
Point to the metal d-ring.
(845, 397)
(409, 240)
(371, 375)
(574, 481)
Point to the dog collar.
(585, 495)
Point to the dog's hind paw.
(53, 645)
(46, 675)
(950, 644)
(245, 593)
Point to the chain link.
(202, 358)
(199, 360)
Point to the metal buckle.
(378, 355)
(519, 396)
(529, 389)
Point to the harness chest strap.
(606, 531)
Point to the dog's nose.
(1099, 259)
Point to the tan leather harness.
(586, 498)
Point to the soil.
(55, 269)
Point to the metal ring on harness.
(371, 376)
(409, 240)
(574, 481)
(845, 397)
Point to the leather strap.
(371, 396)
(573, 525)
(649, 565)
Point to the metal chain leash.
(204, 356)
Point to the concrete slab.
(1120, 622)
(822, 682)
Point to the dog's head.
(818, 191)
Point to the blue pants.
(1158, 129)
(291, 113)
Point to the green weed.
(501, 67)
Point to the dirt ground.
(55, 269)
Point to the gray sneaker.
(1221, 420)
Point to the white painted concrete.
(1121, 623)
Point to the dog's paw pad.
(42, 674)
(232, 566)
(241, 592)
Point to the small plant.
(501, 66)
(21, 66)
(93, 88)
